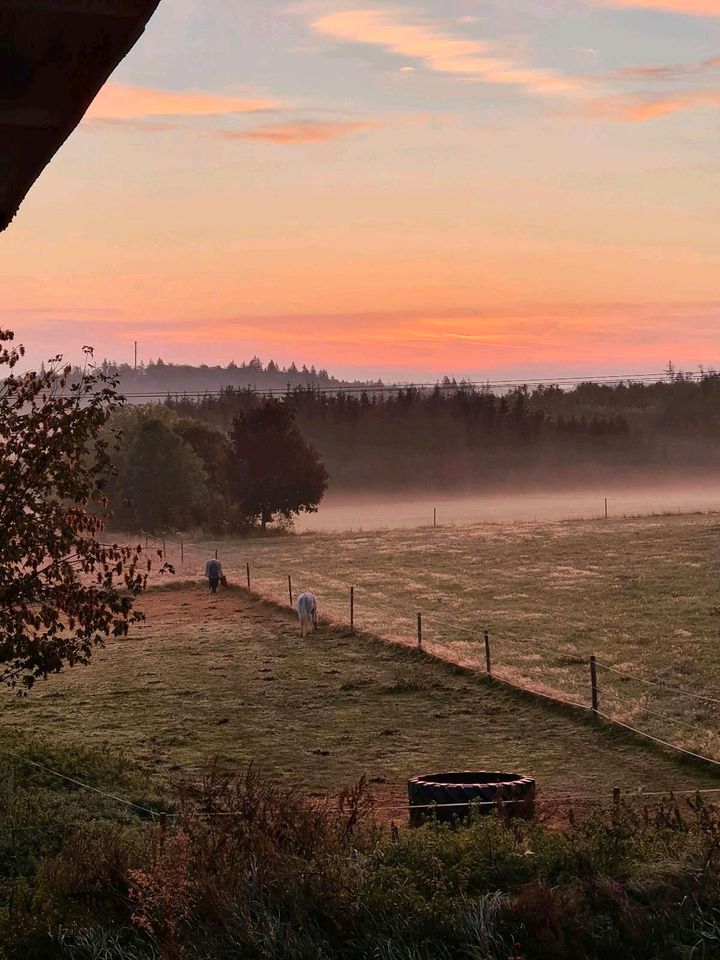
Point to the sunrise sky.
(475, 187)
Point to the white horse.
(306, 605)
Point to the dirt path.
(227, 678)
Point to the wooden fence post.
(606, 508)
(290, 589)
(594, 686)
(488, 665)
(182, 551)
(248, 574)
(352, 609)
(419, 631)
(434, 516)
(164, 553)
(216, 556)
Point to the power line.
(391, 388)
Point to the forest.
(457, 436)
(213, 460)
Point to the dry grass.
(643, 595)
(228, 677)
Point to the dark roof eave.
(55, 55)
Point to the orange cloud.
(640, 109)
(121, 102)
(438, 51)
(304, 131)
(697, 8)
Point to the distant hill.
(158, 379)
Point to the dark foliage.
(248, 869)
(455, 436)
(277, 472)
(163, 480)
(62, 591)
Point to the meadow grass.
(227, 679)
(642, 594)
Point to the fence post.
(216, 556)
(146, 541)
(594, 686)
(290, 589)
(488, 665)
(419, 631)
(248, 574)
(606, 508)
(352, 609)
(434, 516)
(164, 553)
(182, 552)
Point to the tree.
(277, 472)
(212, 446)
(62, 591)
(163, 486)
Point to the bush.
(252, 870)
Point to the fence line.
(662, 686)
(663, 716)
(616, 795)
(664, 743)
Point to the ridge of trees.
(157, 376)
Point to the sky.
(482, 188)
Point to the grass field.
(643, 595)
(228, 677)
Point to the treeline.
(457, 436)
(175, 379)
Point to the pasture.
(642, 594)
(227, 678)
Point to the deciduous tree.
(62, 590)
(277, 472)
(164, 486)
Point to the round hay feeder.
(448, 797)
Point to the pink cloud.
(121, 102)
(439, 51)
(304, 131)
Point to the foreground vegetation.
(246, 869)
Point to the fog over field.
(339, 512)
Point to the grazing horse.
(307, 612)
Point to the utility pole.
(136, 354)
